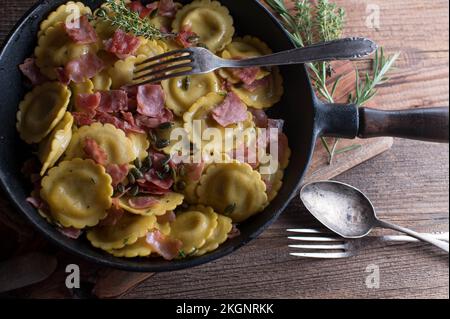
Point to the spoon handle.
(429, 239)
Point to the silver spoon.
(348, 212)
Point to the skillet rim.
(136, 265)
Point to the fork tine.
(322, 255)
(320, 239)
(305, 231)
(172, 75)
(164, 71)
(325, 247)
(164, 55)
(162, 63)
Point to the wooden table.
(409, 185)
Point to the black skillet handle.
(349, 121)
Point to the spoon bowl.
(340, 207)
(349, 213)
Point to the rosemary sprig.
(366, 86)
(325, 21)
(119, 15)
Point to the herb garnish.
(324, 21)
(119, 15)
(229, 209)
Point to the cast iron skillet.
(306, 119)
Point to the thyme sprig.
(119, 15)
(324, 21)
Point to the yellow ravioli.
(53, 147)
(113, 141)
(41, 111)
(265, 96)
(193, 227)
(233, 189)
(210, 20)
(167, 202)
(127, 231)
(55, 49)
(198, 120)
(183, 92)
(219, 236)
(78, 193)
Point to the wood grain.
(409, 184)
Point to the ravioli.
(102, 81)
(41, 111)
(68, 10)
(122, 73)
(149, 48)
(140, 143)
(55, 49)
(218, 237)
(78, 193)
(182, 92)
(193, 227)
(233, 189)
(139, 249)
(166, 202)
(86, 87)
(244, 48)
(127, 231)
(210, 20)
(118, 147)
(53, 147)
(198, 120)
(264, 96)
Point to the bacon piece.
(151, 189)
(144, 11)
(70, 232)
(153, 178)
(261, 83)
(94, 151)
(106, 118)
(62, 75)
(246, 75)
(194, 171)
(146, 122)
(88, 103)
(167, 8)
(122, 44)
(143, 202)
(235, 232)
(31, 71)
(165, 246)
(150, 100)
(113, 101)
(113, 217)
(35, 201)
(260, 117)
(82, 119)
(81, 31)
(85, 67)
(117, 173)
(168, 217)
(230, 111)
(185, 36)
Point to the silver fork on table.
(316, 243)
(199, 60)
